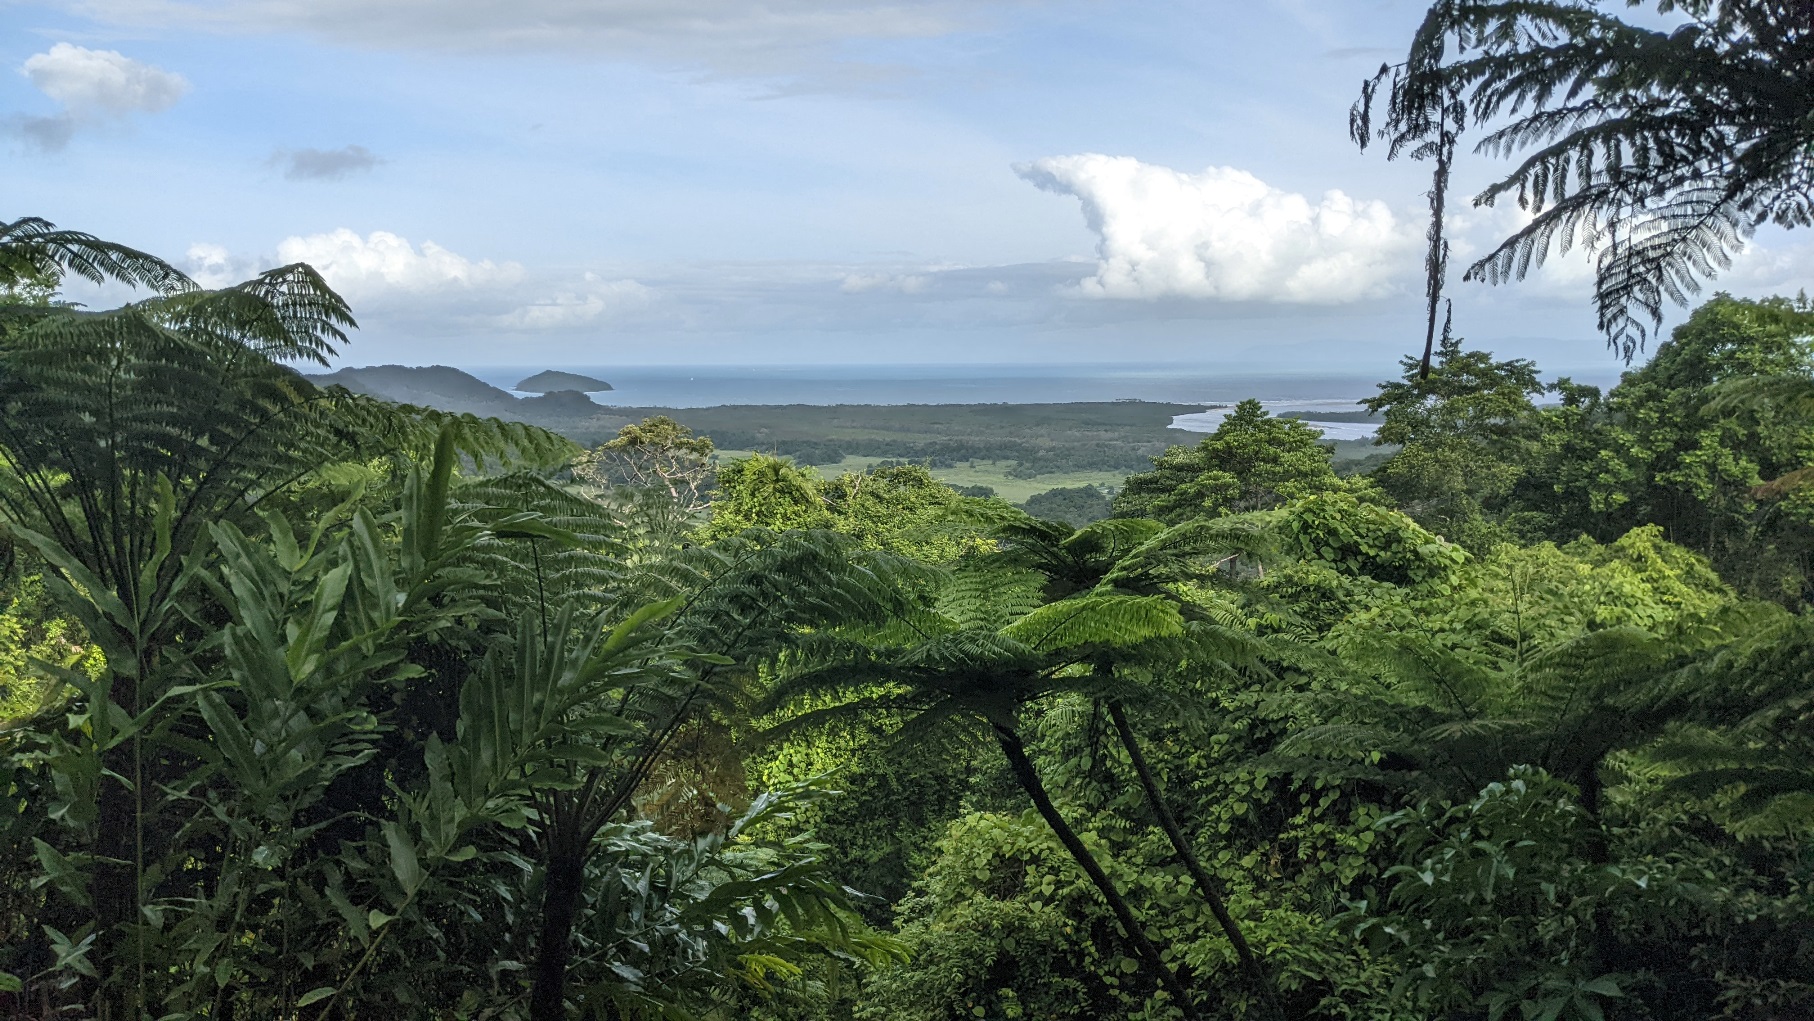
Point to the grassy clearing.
(993, 474)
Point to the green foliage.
(659, 453)
(34, 251)
(323, 707)
(1035, 439)
(1464, 430)
(364, 767)
(893, 801)
(1075, 506)
(1252, 461)
(31, 633)
(1002, 925)
(1495, 907)
(1367, 540)
(1676, 444)
(1654, 450)
(766, 492)
(901, 509)
(1516, 599)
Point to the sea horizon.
(693, 386)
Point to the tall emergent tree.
(1658, 150)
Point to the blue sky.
(607, 182)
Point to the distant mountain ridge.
(445, 388)
(431, 386)
(554, 380)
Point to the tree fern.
(34, 249)
(1659, 152)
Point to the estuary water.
(693, 386)
(1207, 421)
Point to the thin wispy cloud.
(725, 36)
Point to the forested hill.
(429, 386)
(565, 410)
(552, 380)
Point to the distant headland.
(551, 381)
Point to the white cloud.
(91, 82)
(213, 266)
(383, 262)
(1226, 235)
(391, 281)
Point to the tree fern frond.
(32, 248)
(1659, 151)
(981, 593)
(284, 314)
(1112, 621)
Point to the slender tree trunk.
(114, 895)
(116, 873)
(1028, 778)
(1206, 885)
(1436, 262)
(561, 892)
(1599, 849)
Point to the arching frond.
(987, 594)
(32, 248)
(1193, 549)
(284, 314)
(1658, 150)
(1112, 621)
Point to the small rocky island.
(552, 381)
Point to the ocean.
(657, 386)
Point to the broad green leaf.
(315, 995)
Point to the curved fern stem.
(1206, 885)
(1028, 778)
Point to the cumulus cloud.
(1226, 235)
(323, 164)
(731, 35)
(214, 266)
(90, 82)
(90, 86)
(384, 262)
(391, 280)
